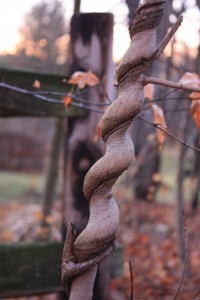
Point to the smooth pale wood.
(35, 268)
(15, 104)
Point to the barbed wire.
(87, 105)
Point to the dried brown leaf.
(190, 79)
(67, 100)
(98, 133)
(37, 84)
(195, 111)
(82, 79)
(149, 91)
(156, 177)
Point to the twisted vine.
(82, 254)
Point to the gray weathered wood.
(35, 268)
(13, 104)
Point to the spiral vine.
(96, 241)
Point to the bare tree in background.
(43, 34)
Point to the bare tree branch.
(171, 84)
(131, 275)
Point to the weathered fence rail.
(15, 104)
(35, 268)
(31, 269)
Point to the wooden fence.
(30, 269)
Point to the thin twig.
(170, 99)
(167, 94)
(168, 37)
(181, 283)
(196, 295)
(171, 84)
(132, 284)
(177, 110)
(169, 133)
(106, 93)
(185, 258)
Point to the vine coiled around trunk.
(103, 222)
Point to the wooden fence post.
(91, 49)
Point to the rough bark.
(91, 49)
(103, 222)
(95, 242)
(142, 181)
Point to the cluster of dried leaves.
(81, 80)
(193, 79)
(188, 79)
(158, 115)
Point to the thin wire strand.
(168, 133)
(40, 94)
(50, 100)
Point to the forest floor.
(149, 238)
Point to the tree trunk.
(49, 192)
(77, 4)
(91, 49)
(196, 173)
(83, 253)
(144, 182)
(180, 197)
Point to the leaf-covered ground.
(148, 235)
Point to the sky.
(12, 12)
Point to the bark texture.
(103, 222)
(91, 49)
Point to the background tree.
(44, 34)
(168, 64)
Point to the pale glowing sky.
(12, 12)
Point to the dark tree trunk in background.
(77, 5)
(196, 174)
(196, 168)
(132, 6)
(91, 49)
(145, 184)
(180, 189)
